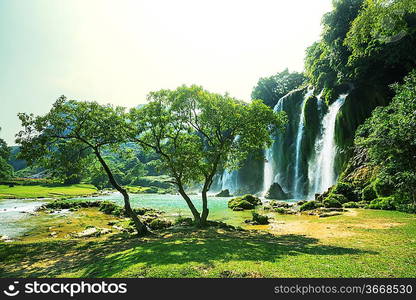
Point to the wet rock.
(224, 193)
(276, 192)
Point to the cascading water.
(268, 176)
(298, 147)
(229, 181)
(322, 169)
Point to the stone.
(224, 193)
(89, 232)
(276, 192)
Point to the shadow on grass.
(115, 254)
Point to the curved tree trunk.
(195, 213)
(205, 210)
(140, 227)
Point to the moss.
(332, 197)
(244, 202)
(158, 224)
(350, 205)
(260, 219)
(332, 202)
(310, 205)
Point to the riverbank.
(46, 191)
(360, 243)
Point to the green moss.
(347, 190)
(310, 205)
(158, 224)
(244, 202)
(332, 202)
(260, 219)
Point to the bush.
(309, 205)
(382, 189)
(386, 203)
(351, 205)
(260, 219)
(332, 202)
(407, 208)
(368, 193)
(347, 190)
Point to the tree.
(381, 40)
(389, 137)
(271, 89)
(196, 133)
(6, 170)
(88, 127)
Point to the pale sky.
(117, 51)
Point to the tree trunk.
(195, 213)
(205, 210)
(140, 227)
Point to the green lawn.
(366, 243)
(45, 191)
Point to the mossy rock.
(244, 202)
(335, 200)
(260, 219)
(224, 193)
(310, 205)
(158, 224)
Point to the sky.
(117, 51)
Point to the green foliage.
(346, 189)
(368, 193)
(334, 201)
(351, 205)
(6, 170)
(310, 205)
(259, 219)
(386, 203)
(244, 202)
(389, 136)
(381, 39)
(271, 89)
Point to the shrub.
(351, 205)
(368, 193)
(332, 202)
(382, 189)
(309, 205)
(260, 219)
(345, 189)
(386, 203)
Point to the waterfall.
(229, 181)
(298, 147)
(322, 167)
(268, 170)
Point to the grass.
(364, 243)
(45, 191)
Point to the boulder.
(244, 202)
(276, 192)
(224, 193)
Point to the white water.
(298, 147)
(322, 168)
(229, 181)
(268, 177)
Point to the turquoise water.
(175, 205)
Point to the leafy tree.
(389, 137)
(382, 40)
(271, 89)
(6, 170)
(196, 133)
(88, 127)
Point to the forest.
(314, 176)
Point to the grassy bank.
(361, 243)
(45, 191)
